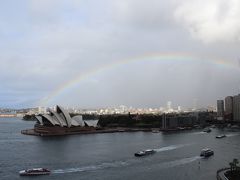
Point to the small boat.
(121, 130)
(197, 127)
(235, 127)
(221, 136)
(145, 152)
(155, 131)
(207, 130)
(34, 172)
(181, 128)
(206, 152)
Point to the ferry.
(221, 136)
(235, 127)
(206, 152)
(34, 172)
(145, 152)
(121, 130)
(207, 130)
(213, 126)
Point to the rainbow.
(145, 57)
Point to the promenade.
(220, 174)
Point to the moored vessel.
(207, 130)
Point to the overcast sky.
(47, 43)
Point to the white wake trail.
(199, 133)
(171, 147)
(232, 135)
(179, 162)
(114, 164)
(91, 168)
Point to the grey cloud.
(151, 15)
(60, 40)
(210, 21)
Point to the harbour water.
(111, 156)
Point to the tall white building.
(169, 105)
(179, 108)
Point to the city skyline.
(103, 54)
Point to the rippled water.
(111, 156)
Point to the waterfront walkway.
(220, 174)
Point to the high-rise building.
(236, 107)
(220, 108)
(179, 108)
(229, 108)
(169, 105)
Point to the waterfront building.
(164, 121)
(176, 120)
(228, 108)
(220, 109)
(236, 107)
(62, 118)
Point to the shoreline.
(33, 132)
(94, 131)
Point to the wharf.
(220, 174)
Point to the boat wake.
(232, 135)
(179, 162)
(199, 133)
(172, 147)
(117, 164)
(91, 168)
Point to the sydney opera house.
(59, 122)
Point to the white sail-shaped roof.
(61, 121)
(51, 119)
(78, 119)
(91, 123)
(74, 123)
(65, 114)
(39, 119)
(62, 118)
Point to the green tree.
(236, 162)
(231, 167)
(234, 165)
